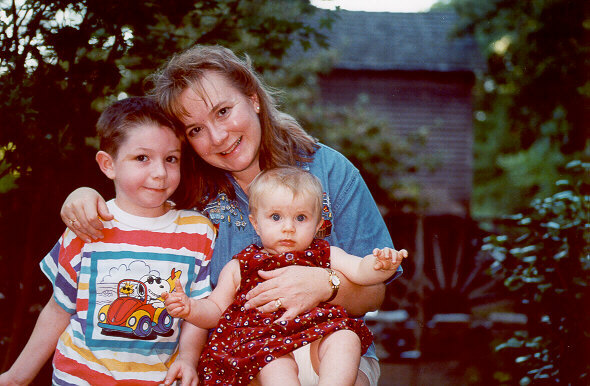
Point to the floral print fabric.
(246, 340)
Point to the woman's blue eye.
(301, 218)
(172, 159)
(275, 217)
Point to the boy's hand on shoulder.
(388, 258)
(177, 302)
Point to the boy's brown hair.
(115, 120)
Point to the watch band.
(334, 281)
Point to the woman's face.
(222, 126)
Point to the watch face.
(335, 280)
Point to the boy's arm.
(191, 342)
(51, 323)
(366, 271)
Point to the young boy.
(106, 320)
(285, 210)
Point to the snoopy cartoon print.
(156, 286)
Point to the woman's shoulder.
(325, 152)
(330, 164)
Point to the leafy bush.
(543, 256)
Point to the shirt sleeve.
(358, 226)
(201, 286)
(62, 266)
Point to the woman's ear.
(255, 102)
(106, 164)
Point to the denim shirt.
(356, 224)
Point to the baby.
(285, 210)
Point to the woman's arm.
(81, 210)
(51, 323)
(302, 288)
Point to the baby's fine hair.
(115, 121)
(297, 180)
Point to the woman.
(231, 122)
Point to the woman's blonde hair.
(297, 180)
(284, 142)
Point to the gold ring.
(278, 303)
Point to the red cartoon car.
(131, 313)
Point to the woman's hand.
(80, 212)
(297, 288)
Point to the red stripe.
(68, 253)
(80, 370)
(81, 304)
(191, 241)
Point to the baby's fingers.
(378, 265)
(175, 310)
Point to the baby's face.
(286, 223)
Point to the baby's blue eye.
(301, 218)
(275, 217)
(141, 158)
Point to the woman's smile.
(233, 147)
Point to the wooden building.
(414, 72)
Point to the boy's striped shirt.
(119, 331)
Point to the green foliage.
(386, 161)
(532, 99)
(7, 178)
(544, 259)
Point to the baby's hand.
(177, 303)
(388, 258)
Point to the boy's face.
(146, 170)
(286, 223)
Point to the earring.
(257, 109)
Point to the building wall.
(440, 102)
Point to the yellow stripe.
(83, 286)
(112, 364)
(188, 220)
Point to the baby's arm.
(371, 269)
(51, 323)
(205, 313)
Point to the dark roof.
(401, 41)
